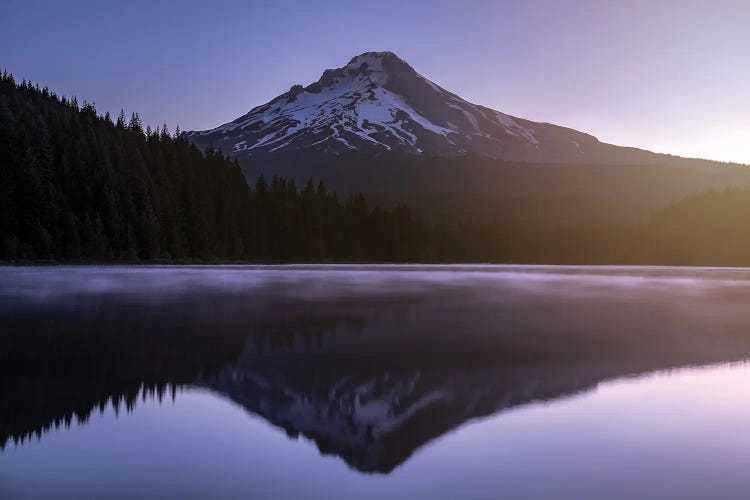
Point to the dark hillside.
(480, 186)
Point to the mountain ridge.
(377, 102)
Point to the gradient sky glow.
(671, 76)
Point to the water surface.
(373, 381)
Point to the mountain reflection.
(369, 363)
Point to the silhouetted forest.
(78, 186)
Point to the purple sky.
(668, 75)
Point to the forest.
(80, 186)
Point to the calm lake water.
(374, 382)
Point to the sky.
(670, 76)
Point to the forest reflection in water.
(368, 362)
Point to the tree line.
(79, 186)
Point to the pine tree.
(121, 123)
(135, 124)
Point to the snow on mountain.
(378, 102)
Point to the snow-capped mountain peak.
(379, 102)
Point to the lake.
(374, 381)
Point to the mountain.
(378, 102)
(376, 126)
